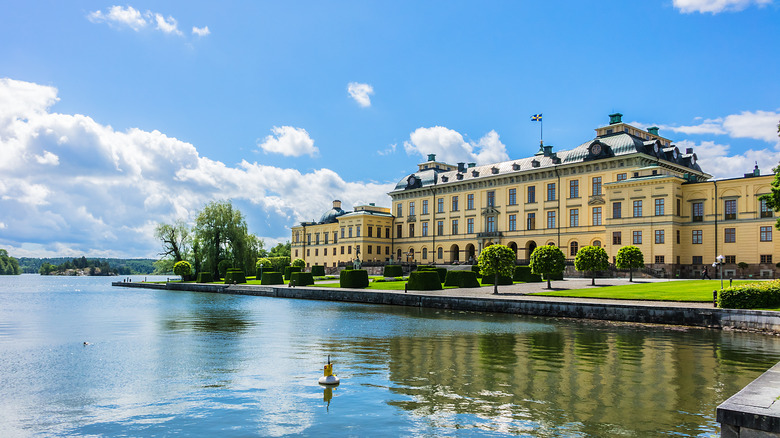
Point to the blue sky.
(116, 116)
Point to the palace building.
(627, 186)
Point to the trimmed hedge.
(424, 280)
(205, 277)
(302, 278)
(523, 273)
(393, 271)
(234, 275)
(289, 270)
(475, 268)
(461, 279)
(270, 278)
(751, 295)
(503, 280)
(353, 278)
(317, 271)
(441, 271)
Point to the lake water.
(197, 364)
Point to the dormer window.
(494, 170)
(515, 166)
(534, 163)
(444, 179)
(474, 173)
(460, 176)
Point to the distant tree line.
(83, 266)
(8, 264)
(218, 240)
(30, 265)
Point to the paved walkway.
(526, 291)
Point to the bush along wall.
(523, 273)
(301, 278)
(205, 277)
(317, 271)
(270, 278)
(234, 276)
(289, 270)
(353, 278)
(461, 279)
(424, 280)
(393, 271)
(750, 296)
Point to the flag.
(536, 118)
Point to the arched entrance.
(399, 255)
(531, 247)
(455, 253)
(513, 247)
(470, 254)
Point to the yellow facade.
(625, 187)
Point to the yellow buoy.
(328, 377)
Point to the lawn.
(687, 290)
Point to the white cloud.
(449, 146)
(201, 31)
(716, 6)
(714, 159)
(289, 141)
(390, 150)
(360, 92)
(109, 188)
(117, 15)
(167, 25)
(2, 226)
(759, 125)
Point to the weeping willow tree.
(220, 233)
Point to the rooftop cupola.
(431, 157)
(653, 130)
(615, 118)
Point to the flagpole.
(541, 132)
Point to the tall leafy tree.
(8, 265)
(222, 233)
(591, 258)
(496, 260)
(773, 199)
(630, 257)
(547, 260)
(174, 238)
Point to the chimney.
(337, 204)
(547, 151)
(472, 165)
(461, 167)
(431, 157)
(653, 130)
(615, 118)
(688, 150)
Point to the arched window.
(440, 253)
(597, 243)
(573, 248)
(425, 253)
(399, 255)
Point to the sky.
(115, 117)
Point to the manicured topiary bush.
(302, 278)
(750, 296)
(289, 270)
(503, 280)
(300, 263)
(317, 271)
(353, 278)
(393, 271)
(524, 274)
(271, 277)
(475, 268)
(205, 277)
(424, 280)
(461, 279)
(234, 276)
(183, 269)
(441, 271)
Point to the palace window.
(697, 213)
(316, 252)
(551, 192)
(765, 210)
(425, 229)
(678, 212)
(678, 237)
(616, 238)
(370, 232)
(399, 231)
(696, 260)
(342, 248)
(349, 249)
(454, 227)
(574, 188)
(766, 258)
(637, 237)
(411, 230)
(512, 222)
(326, 237)
(596, 186)
(659, 260)
(766, 234)
(621, 176)
(637, 208)
(696, 237)
(491, 198)
(531, 221)
(357, 230)
(440, 228)
(411, 208)
(551, 219)
(425, 253)
(387, 233)
(531, 194)
(349, 231)
(731, 259)
(440, 205)
(659, 236)
(616, 210)
(317, 238)
(470, 225)
(369, 248)
(596, 215)
(440, 253)
(470, 201)
(512, 196)
(454, 203)
(308, 238)
(574, 217)
(573, 248)
(659, 207)
(491, 224)
(425, 206)
(730, 209)
(399, 210)
(729, 235)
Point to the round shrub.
(302, 278)
(353, 278)
(393, 271)
(234, 276)
(317, 271)
(289, 270)
(503, 280)
(524, 274)
(300, 263)
(424, 280)
(205, 277)
(183, 269)
(270, 277)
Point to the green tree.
(281, 250)
(183, 269)
(591, 258)
(773, 199)
(174, 238)
(299, 263)
(8, 265)
(547, 260)
(222, 233)
(496, 260)
(630, 257)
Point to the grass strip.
(683, 290)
